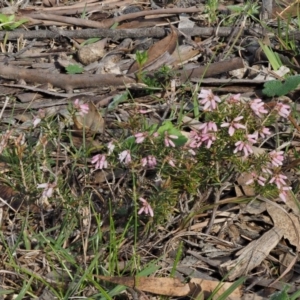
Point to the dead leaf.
(91, 53)
(167, 44)
(252, 255)
(242, 180)
(172, 286)
(286, 8)
(291, 202)
(254, 207)
(288, 222)
(184, 53)
(91, 123)
(208, 286)
(285, 260)
(6, 192)
(90, 142)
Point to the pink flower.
(252, 138)
(125, 157)
(146, 208)
(145, 111)
(110, 147)
(209, 100)
(276, 158)
(171, 162)
(260, 179)
(283, 109)
(208, 126)
(257, 106)
(150, 160)
(264, 131)
(243, 146)
(37, 119)
(233, 125)
(208, 138)
(266, 170)
(48, 189)
(140, 137)
(195, 140)
(279, 180)
(283, 193)
(82, 108)
(168, 141)
(100, 162)
(234, 99)
(192, 152)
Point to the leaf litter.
(223, 232)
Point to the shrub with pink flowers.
(230, 138)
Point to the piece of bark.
(252, 255)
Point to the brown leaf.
(287, 221)
(167, 44)
(92, 122)
(247, 189)
(286, 8)
(6, 192)
(90, 142)
(92, 52)
(184, 53)
(171, 286)
(285, 260)
(252, 255)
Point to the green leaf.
(281, 295)
(117, 100)
(74, 69)
(114, 26)
(141, 57)
(3, 18)
(130, 143)
(7, 22)
(277, 88)
(272, 56)
(169, 127)
(90, 41)
(235, 8)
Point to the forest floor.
(149, 150)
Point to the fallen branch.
(116, 34)
(64, 81)
(109, 22)
(70, 82)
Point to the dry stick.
(64, 81)
(116, 34)
(70, 82)
(79, 8)
(213, 69)
(109, 22)
(216, 203)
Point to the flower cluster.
(231, 125)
